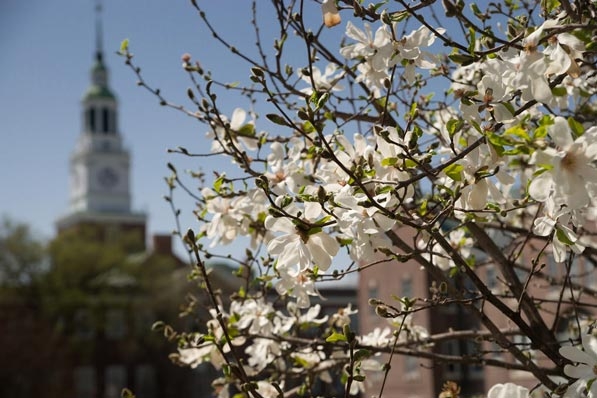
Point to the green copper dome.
(99, 82)
(98, 92)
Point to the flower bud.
(331, 17)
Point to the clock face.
(107, 177)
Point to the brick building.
(412, 377)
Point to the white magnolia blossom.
(327, 81)
(298, 248)
(380, 52)
(201, 351)
(378, 337)
(342, 317)
(343, 181)
(232, 217)
(228, 133)
(554, 219)
(287, 169)
(367, 46)
(310, 317)
(508, 390)
(267, 390)
(571, 178)
(585, 363)
(368, 368)
(262, 352)
(438, 256)
(253, 314)
(409, 49)
(300, 286)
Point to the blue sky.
(47, 50)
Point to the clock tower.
(100, 164)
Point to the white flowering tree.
(459, 136)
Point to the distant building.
(416, 377)
(410, 376)
(100, 183)
(107, 341)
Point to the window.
(570, 327)
(491, 278)
(115, 381)
(406, 290)
(145, 385)
(452, 370)
(411, 366)
(91, 119)
(115, 324)
(83, 324)
(84, 382)
(523, 343)
(144, 319)
(105, 120)
(113, 128)
(475, 371)
(495, 350)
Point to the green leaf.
(509, 107)
(518, 131)
(241, 292)
(590, 383)
(454, 171)
(335, 337)
(277, 119)
(454, 126)
(322, 101)
(423, 207)
(563, 237)
(361, 354)
(124, 46)
(344, 241)
(126, 393)
(559, 91)
(409, 163)
(476, 126)
(473, 41)
(549, 6)
(314, 230)
(461, 59)
(413, 110)
(389, 161)
(308, 127)
(541, 131)
(218, 183)
(248, 130)
(576, 127)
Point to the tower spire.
(98, 32)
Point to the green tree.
(22, 254)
